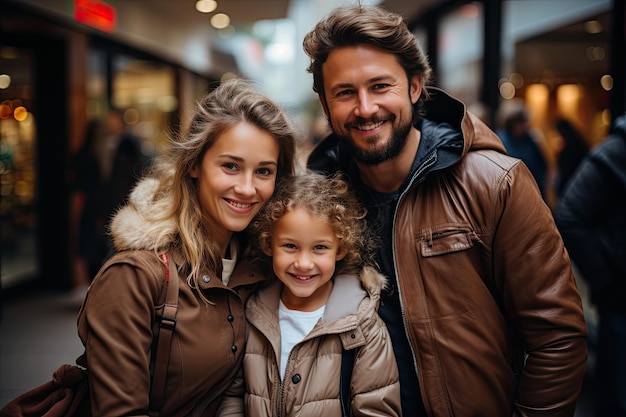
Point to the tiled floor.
(38, 333)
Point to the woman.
(193, 208)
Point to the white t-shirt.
(294, 326)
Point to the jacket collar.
(346, 296)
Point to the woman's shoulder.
(145, 259)
(133, 267)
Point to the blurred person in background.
(87, 184)
(574, 148)
(522, 141)
(104, 170)
(125, 161)
(591, 216)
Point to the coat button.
(296, 378)
(231, 318)
(233, 348)
(206, 278)
(353, 336)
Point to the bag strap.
(347, 363)
(166, 333)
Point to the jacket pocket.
(446, 239)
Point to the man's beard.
(390, 150)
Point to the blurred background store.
(64, 63)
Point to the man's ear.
(324, 105)
(415, 88)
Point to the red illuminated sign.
(94, 13)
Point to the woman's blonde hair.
(325, 197)
(232, 102)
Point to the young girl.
(325, 300)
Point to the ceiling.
(245, 12)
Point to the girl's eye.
(289, 246)
(320, 247)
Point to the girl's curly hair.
(328, 198)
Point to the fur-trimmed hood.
(373, 281)
(137, 224)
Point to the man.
(591, 219)
(483, 309)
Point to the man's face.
(369, 101)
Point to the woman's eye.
(266, 172)
(229, 166)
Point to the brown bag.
(67, 395)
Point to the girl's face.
(236, 177)
(304, 252)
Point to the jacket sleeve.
(232, 403)
(115, 325)
(540, 297)
(375, 383)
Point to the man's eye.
(344, 93)
(380, 86)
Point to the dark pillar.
(492, 55)
(617, 96)
(432, 41)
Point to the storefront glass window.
(18, 185)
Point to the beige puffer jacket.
(311, 384)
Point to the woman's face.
(236, 177)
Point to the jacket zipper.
(428, 163)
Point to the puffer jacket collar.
(345, 297)
(340, 314)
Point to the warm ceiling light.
(593, 26)
(220, 21)
(206, 6)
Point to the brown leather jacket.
(117, 327)
(491, 307)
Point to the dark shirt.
(381, 209)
